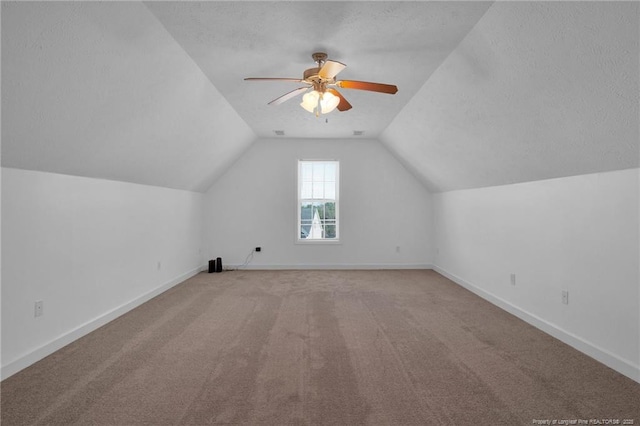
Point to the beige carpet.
(316, 348)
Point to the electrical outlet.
(258, 248)
(38, 308)
(565, 297)
(513, 279)
(159, 265)
(397, 249)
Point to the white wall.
(382, 206)
(90, 250)
(1, 299)
(578, 234)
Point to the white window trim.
(304, 241)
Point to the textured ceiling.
(536, 90)
(399, 43)
(102, 90)
(153, 92)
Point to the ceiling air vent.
(358, 132)
(279, 132)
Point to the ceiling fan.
(324, 98)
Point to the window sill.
(318, 242)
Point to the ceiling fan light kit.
(324, 98)
(318, 102)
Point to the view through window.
(318, 200)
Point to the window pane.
(330, 172)
(318, 190)
(330, 211)
(304, 231)
(330, 231)
(306, 190)
(330, 191)
(307, 169)
(306, 213)
(318, 172)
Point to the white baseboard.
(332, 266)
(47, 349)
(602, 355)
(599, 354)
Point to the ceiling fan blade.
(272, 79)
(365, 85)
(344, 105)
(288, 96)
(330, 69)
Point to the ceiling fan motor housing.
(319, 84)
(312, 75)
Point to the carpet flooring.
(318, 348)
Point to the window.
(317, 201)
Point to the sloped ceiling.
(536, 90)
(153, 93)
(102, 90)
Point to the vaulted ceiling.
(153, 93)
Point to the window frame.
(299, 201)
